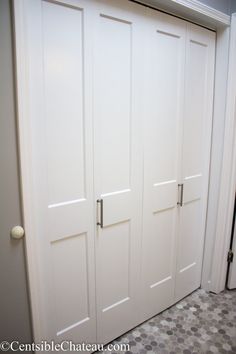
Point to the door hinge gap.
(230, 256)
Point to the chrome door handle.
(100, 222)
(181, 186)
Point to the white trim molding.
(203, 9)
(24, 141)
(217, 147)
(228, 176)
(193, 10)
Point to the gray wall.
(233, 6)
(226, 6)
(14, 301)
(221, 5)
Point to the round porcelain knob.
(17, 232)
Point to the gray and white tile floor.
(201, 323)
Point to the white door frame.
(24, 142)
(228, 175)
(213, 276)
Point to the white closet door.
(60, 100)
(199, 79)
(118, 169)
(165, 49)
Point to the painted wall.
(220, 5)
(233, 6)
(14, 301)
(226, 6)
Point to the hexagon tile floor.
(201, 323)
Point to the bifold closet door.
(118, 165)
(164, 92)
(60, 116)
(177, 128)
(196, 144)
(119, 116)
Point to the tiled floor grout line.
(202, 323)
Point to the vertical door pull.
(100, 222)
(181, 185)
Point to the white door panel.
(192, 188)
(118, 169)
(164, 196)
(113, 207)
(199, 74)
(63, 73)
(60, 114)
(162, 135)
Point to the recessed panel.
(64, 106)
(113, 94)
(195, 103)
(117, 207)
(191, 234)
(164, 89)
(114, 242)
(159, 243)
(70, 281)
(192, 188)
(164, 195)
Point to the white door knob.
(17, 232)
